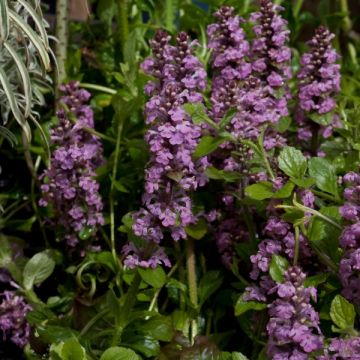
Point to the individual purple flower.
(172, 172)
(13, 324)
(349, 268)
(319, 82)
(69, 185)
(293, 327)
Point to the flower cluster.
(293, 327)
(348, 348)
(172, 137)
(69, 184)
(230, 230)
(319, 82)
(280, 241)
(13, 324)
(230, 50)
(349, 269)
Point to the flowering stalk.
(319, 82)
(69, 185)
(293, 327)
(172, 173)
(13, 324)
(350, 239)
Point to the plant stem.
(62, 9)
(344, 7)
(169, 15)
(104, 89)
(157, 292)
(297, 7)
(192, 283)
(111, 200)
(126, 309)
(123, 23)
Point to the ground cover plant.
(179, 180)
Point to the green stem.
(157, 292)
(114, 175)
(311, 211)
(123, 23)
(344, 6)
(126, 309)
(101, 88)
(61, 31)
(326, 196)
(169, 15)
(297, 7)
(92, 322)
(192, 282)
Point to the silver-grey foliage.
(24, 61)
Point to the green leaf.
(322, 119)
(4, 21)
(292, 162)
(197, 231)
(285, 191)
(68, 350)
(13, 104)
(37, 269)
(207, 145)
(158, 327)
(259, 191)
(243, 306)
(208, 284)
(154, 277)
(227, 176)
(316, 280)
(324, 237)
(34, 38)
(342, 313)
(323, 172)
(278, 266)
(238, 356)
(119, 353)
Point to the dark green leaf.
(206, 146)
(259, 191)
(154, 277)
(292, 162)
(243, 306)
(278, 266)
(198, 230)
(323, 172)
(342, 313)
(37, 269)
(227, 176)
(208, 284)
(119, 353)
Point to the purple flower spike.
(293, 327)
(349, 269)
(13, 324)
(229, 59)
(69, 185)
(172, 137)
(319, 82)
